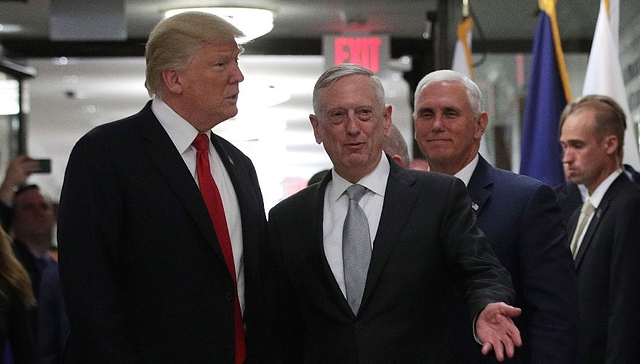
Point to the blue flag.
(549, 93)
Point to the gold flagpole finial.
(465, 8)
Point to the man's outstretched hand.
(496, 330)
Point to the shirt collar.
(598, 193)
(376, 181)
(465, 173)
(181, 132)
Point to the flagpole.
(465, 8)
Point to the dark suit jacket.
(608, 269)
(631, 173)
(426, 240)
(569, 198)
(30, 264)
(523, 222)
(53, 325)
(142, 273)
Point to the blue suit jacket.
(522, 219)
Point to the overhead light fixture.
(252, 22)
(10, 28)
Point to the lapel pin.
(474, 206)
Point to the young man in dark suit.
(607, 247)
(520, 216)
(145, 272)
(388, 303)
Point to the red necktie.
(212, 199)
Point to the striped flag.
(463, 63)
(548, 94)
(604, 73)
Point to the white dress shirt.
(596, 199)
(182, 134)
(336, 204)
(465, 173)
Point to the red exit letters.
(362, 51)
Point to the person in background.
(161, 221)
(29, 217)
(317, 177)
(53, 325)
(407, 239)
(520, 216)
(396, 147)
(604, 232)
(16, 297)
(570, 195)
(19, 169)
(419, 164)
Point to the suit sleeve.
(285, 326)
(474, 264)
(548, 281)
(90, 223)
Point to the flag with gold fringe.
(548, 93)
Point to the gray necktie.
(356, 248)
(586, 211)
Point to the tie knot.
(587, 208)
(355, 192)
(201, 142)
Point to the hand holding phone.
(44, 165)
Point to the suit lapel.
(398, 204)
(611, 193)
(310, 219)
(247, 196)
(479, 187)
(171, 166)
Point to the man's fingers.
(498, 349)
(486, 348)
(509, 348)
(515, 337)
(512, 311)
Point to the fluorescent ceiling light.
(9, 97)
(251, 21)
(10, 28)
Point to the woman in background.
(16, 297)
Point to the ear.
(398, 159)
(481, 124)
(611, 144)
(316, 128)
(387, 120)
(172, 81)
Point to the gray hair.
(335, 73)
(473, 92)
(175, 40)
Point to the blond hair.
(175, 40)
(14, 273)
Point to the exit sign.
(371, 52)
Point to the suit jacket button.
(358, 326)
(229, 296)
